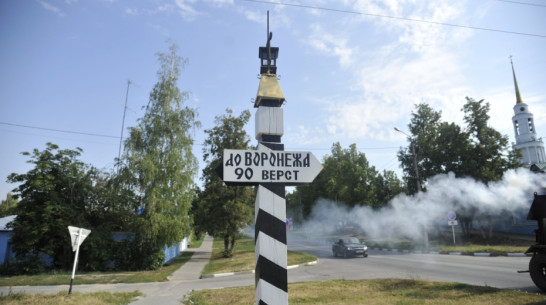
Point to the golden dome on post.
(269, 92)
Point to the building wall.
(5, 252)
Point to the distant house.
(5, 236)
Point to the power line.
(523, 3)
(397, 18)
(59, 130)
(117, 137)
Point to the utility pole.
(418, 181)
(123, 122)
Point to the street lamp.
(416, 177)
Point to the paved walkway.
(191, 270)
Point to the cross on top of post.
(268, 54)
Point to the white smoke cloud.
(405, 215)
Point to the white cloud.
(165, 8)
(420, 63)
(186, 10)
(332, 44)
(52, 8)
(132, 11)
(305, 136)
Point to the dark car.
(348, 247)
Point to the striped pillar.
(271, 277)
(270, 215)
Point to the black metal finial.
(268, 54)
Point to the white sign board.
(271, 166)
(452, 223)
(75, 233)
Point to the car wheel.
(365, 255)
(537, 269)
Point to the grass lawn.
(62, 298)
(243, 258)
(63, 278)
(382, 291)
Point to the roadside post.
(452, 221)
(77, 236)
(270, 169)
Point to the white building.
(527, 141)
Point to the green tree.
(53, 195)
(489, 154)
(7, 207)
(451, 148)
(223, 210)
(423, 127)
(490, 150)
(476, 151)
(348, 178)
(387, 186)
(158, 165)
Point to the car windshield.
(351, 240)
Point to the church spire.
(518, 95)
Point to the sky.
(351, 71)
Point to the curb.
(482, 254)
(215, 275)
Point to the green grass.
(381, 291)
(494, 250)
(467, 248)
(62, 298)
(63, 278)
(243, 258)
(194, 241)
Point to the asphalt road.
(500, 272)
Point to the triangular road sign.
(75, 233)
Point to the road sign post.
(270, 168)
(77, 236)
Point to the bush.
(30, 264)
(137, 254)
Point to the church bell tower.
(527, 141)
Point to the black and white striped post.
(271, 277)
(270, 168)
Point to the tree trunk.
(232, 246)
(227, 253)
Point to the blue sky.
(350, 70)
